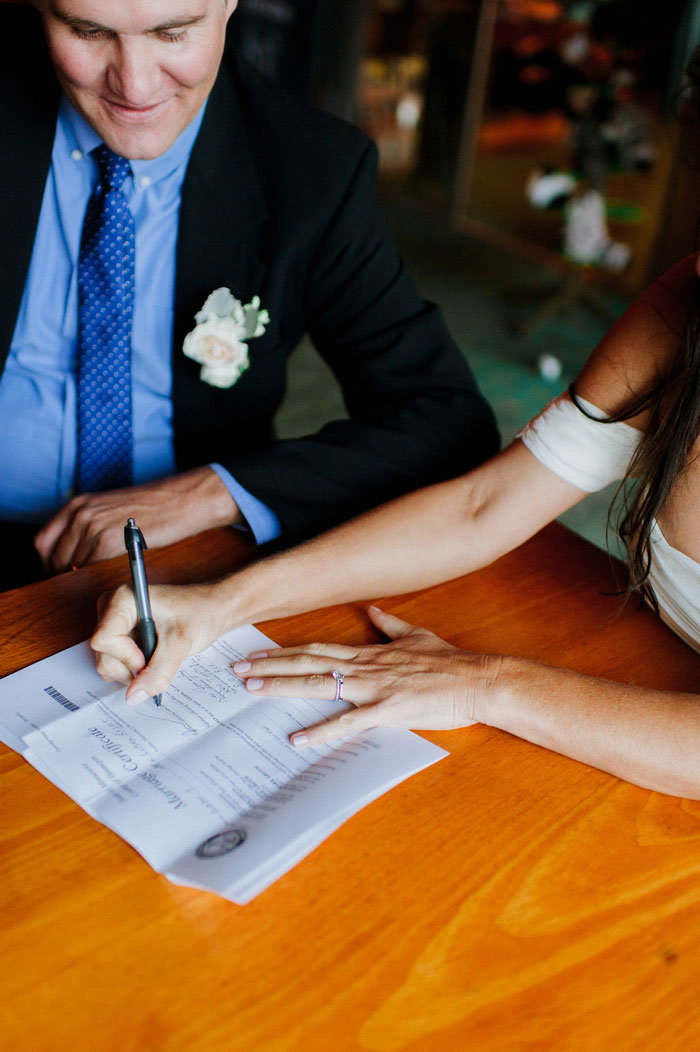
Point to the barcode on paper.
(56, 694)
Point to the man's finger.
(63, 554)
(90, 535)
(67, 553)
(46, 538)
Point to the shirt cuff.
(259, 519)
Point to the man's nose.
(133, 71)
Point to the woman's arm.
(648, 737)
(426, 537)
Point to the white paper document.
(207, 787)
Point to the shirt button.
(76, 155)
(145, 181)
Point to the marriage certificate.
(206, 787)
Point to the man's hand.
(91, 526)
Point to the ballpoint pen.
(148, 637)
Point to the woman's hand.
(188, 618)
(418, 680)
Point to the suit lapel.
(222, 204)
(221, 213)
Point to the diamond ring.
(339, 678)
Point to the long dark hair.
(673, 402)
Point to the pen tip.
(158, 698)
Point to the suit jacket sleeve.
(415, 412)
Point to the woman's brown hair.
(674, 425)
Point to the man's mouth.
(129, 114)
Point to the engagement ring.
(339, 678)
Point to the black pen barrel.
(138, 574)
(147, 637)
(135, 544)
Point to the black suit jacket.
(278, 201)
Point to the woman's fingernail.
(376, 608)
(299, 738)
(254, 684)
(137, 697)
(241, 666)
(258, 654)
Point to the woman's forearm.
(648, 737)
(400, 547)
(419, 540)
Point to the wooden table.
(505, 899)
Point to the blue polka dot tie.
(106, 306)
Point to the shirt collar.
(80, 135)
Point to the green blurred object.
(624, 212)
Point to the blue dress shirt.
(38, 390)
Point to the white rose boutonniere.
(218, 339)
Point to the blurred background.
(530, 168)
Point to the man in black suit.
(277, 202)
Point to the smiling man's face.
(138, 71)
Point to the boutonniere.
(218, 340)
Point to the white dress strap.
(588, 453)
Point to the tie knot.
(113, 168)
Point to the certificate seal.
(221, 843)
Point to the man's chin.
(138, 135)
(135, 145)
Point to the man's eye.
(173, 35)
(89, 34)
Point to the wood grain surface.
(505, 899)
